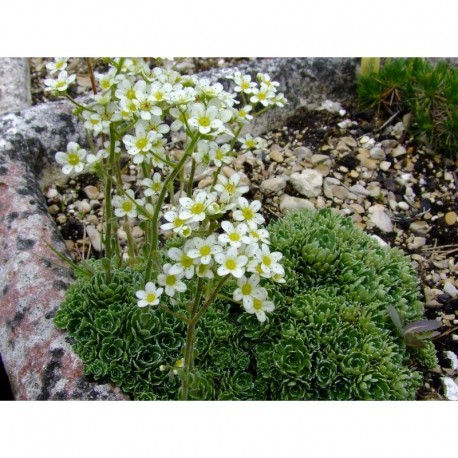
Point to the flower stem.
(108, 208)
(189, 346)
(158, 206)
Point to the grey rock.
(450, 289)
(380, 218)
(290, 203)
(14, 84)
(39, 361)
(273, 185)
(398, 151)
(377, 153)
(420, 227)
(308, 182)
(301, 152)
(305, 81)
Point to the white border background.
(212, 28)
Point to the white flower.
(259, 235)
(208, 119)
(204, 87)
(243, 83)
(248, 289)
(230, 187)
(248, 212)
(220, 154)
(266, 263)
(195, 209)
(159, 92)
(202, 153)
(231, 263)
(180, 119)
(73, 159)
(106, 80)
(182, 96)
(260, 307)
(205, 270)
(185, 262)
(125, 205)
(264, 78)
(281, 100)
(204, 249)
(243, 114)
(149, 296)
(264, 95)
(250, 143)
(171, 282)
(177, 224)
(142, 142)
(155, 123)
(61, 83)
(234, 235)
(153, 186)
(59, 64)
(146, 105)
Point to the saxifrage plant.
(331, 336)
(138, 114)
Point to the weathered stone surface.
(38, 360)
(305, 82)
(14, 84)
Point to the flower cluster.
(173, 128)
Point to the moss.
(330, 336)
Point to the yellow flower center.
(257, 304)
(179, 222)
(145, 105)
(73, 159)
(141, 143)
(234, 236)
(248, 213)
(186, 261)
(246, 289)
(127, 206)
(197, 208)
(266, 261)
(230, 187)
(201, 269)
(170, 280)
(231, 264)
(130, 94)
(205, 250)
(204, 121)
(150, 297)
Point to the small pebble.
(91, 192)
(450, 218)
